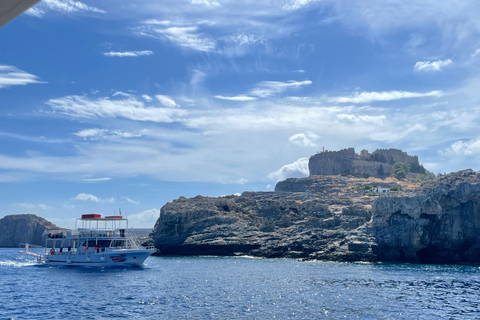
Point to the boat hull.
(117, 258)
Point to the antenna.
(120, 211)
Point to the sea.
(237, 288)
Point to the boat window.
(118, 243)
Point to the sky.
(109, 105)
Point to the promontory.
(382, 206)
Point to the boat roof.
(102, 219)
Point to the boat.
(97, 242)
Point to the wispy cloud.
(266, 89)
(29, 206)
(297, 4)
(431, 65)
(95, 134)
(131, 201)
(12, 76)
(269, 88)
(208, 3)
(476, 53)
(128, 53)
(97, 179)
(33, 139)
(166, 101)
(91, 197)
(240, 97)
(366, 97)
(129, 108)
(186, 36)
(62, 6)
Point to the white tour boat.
(97, 242)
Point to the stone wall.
(331, 162)
(396, 155)
(347, 162)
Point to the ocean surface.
(237, 288)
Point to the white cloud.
(466, 148)
(304, 139)
(120, 93)
(266, 89)
(91, 197)
(158, 22)
(299, 167)
(91, 133)
(86, 197)
(12, 76)
(144, 219)
(147, 98)
(166, 101)
(95, 134)
(297, 4)
(130, 108)
(241, 181)
(63, 6)
(380, 119)
(186, 36)
(431, 65)
(97, 179)
(477, 52)
(131, 201)
(208, 3)
(236, 98)
(128, 53)
(366, 97)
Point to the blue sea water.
(237, 288)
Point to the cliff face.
(265, 224)
(23, 228)
(328, 218)
(438, 224)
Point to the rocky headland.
(333, 217)
(23, 228)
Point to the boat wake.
(17, 264)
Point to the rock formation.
(23, 228)
(329, 218)
(440, 223)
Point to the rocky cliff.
(439, 223)
(23, 228)
(329, 218)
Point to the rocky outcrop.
(264, 224)
(329, 218)
(23, 228)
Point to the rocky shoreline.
(329, 218)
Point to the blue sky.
(131, 104)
